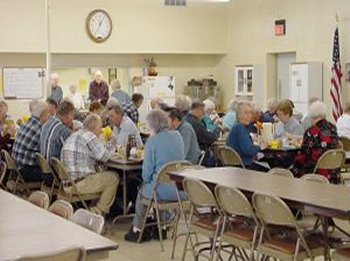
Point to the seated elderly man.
(240, 139)
(183, 103)
(287, 126)
(175, 122)
(52, 106)
(56, 130)
(27, 143)
(157, 154)
(123, 126)
(131, 107)
(322, 136)
(82, 153)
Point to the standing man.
(56, 90)
(98, 90)
(56, 130)
(130, 108)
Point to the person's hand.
(263, 144)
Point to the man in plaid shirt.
(130, 108)
(27, 143)
(82, 153)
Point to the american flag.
(336, 89)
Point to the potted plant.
(151, 66)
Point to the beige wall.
(310, 29)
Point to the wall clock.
(99, 25)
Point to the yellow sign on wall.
(83, 85)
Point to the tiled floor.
(149, 250)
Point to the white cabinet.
(244, 80)
(305, 83)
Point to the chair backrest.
(201, 158)
(62, 208)
(215, 149)
(331, 159)
(163, 175)
(11, 164)
(40, 198)
(60, 170)
(3, 169)
(69, 254)
(230, 157)
(233, 202)
(315, 178)
(89, 220)
(346, 143)
(272, 210)
(198, 193)
(281, 172)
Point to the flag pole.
(337, 18)
(48, 47)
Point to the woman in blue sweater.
(240, 139)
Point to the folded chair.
(289, 243)
(205, 217)
(88, 220)
(69, 254)
(66, 180)
(154, 202)
(40, 199)
(230, 157)
(15, 180)
(62, 208)
(240, 225)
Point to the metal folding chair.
(62, 208)
(88, 220)
(40, 199)
(230, 157)
(281, 172)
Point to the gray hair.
(39, 108)
(115, 85)
(183, 103)
(157, 120)
(241, 105)
(209, 105)
(32, 104)
(117, 109)
(232, 105)
(318, 109)
(272, 102)
(256, 107)
(112, 102)
(91, 121)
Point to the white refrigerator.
(157, 86)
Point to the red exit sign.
(280, 27)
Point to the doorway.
(283, 63)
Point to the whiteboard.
(22, 83)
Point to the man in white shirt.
(343, 123)
(123, 126)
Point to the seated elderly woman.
(270, 114)
(157, 154)
(287, 126)
(210, 119)
(230, 116)
(183, 103)
(322, 136)
(240, 139)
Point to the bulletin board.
(22, 83)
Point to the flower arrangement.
(151, 66)
(259, 127)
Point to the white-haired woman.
(76, 97)
(230, 116)
(162, 147)
(322, 136)
(270, 114)
(183, 103)
(210, 119)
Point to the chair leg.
(175, 232)
(144, 220)
(159, 226)
(214, 240)
(221, 233)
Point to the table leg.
(125, 210)
(325, 225)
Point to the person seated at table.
(270, 114)
(322, 136)
(27, 143)
(205, 138)
(95, 107)
(175, 122)
(240, 140)
(183, 104)
(56, 130)
(230, 116)
(156, 103)
(52, 105)
(76, 97)
(81, 155)
(306, 121)
(287, 126)
(118, 93)
(210, 119)
(343, 123)
(157, 154)
(256, 117)
(7, 128)
(123, 126)
(131, 108)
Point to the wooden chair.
(15, 180)
(88, 220)
(205, 217)
(66, 180)
(154, 202)
(3, 170)
(69, 254)
(346, 147)
(240, 225)
(289, 243)
(47, 170)
(230, 157)
(40, 199)
(331, 160)
(62, 208)
(281, 172)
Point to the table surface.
(26, 229)
(326, 196)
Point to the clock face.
(99, 25)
